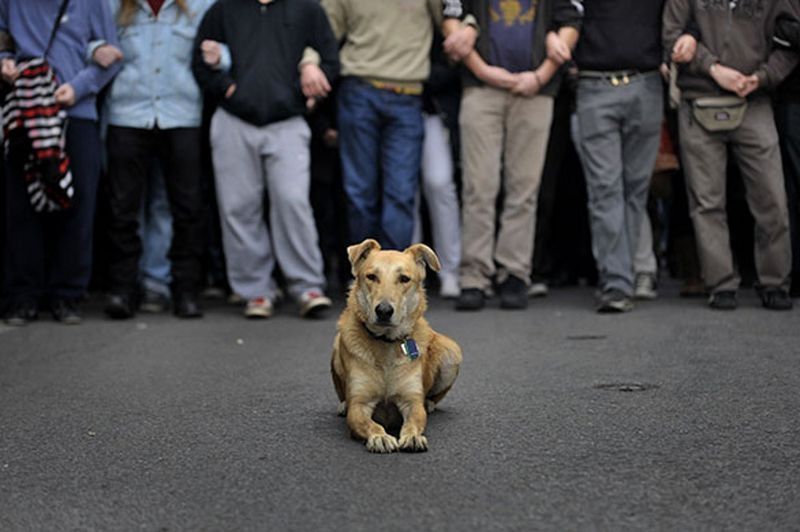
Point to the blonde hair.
(128, 9)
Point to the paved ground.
(225, 424)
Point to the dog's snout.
(384, 311)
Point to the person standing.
(153, 110)
(49, 255)
(735, 59)
(619, 115)
(385, 62)
(506, 111)
(260, 143)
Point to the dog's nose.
(384, 311)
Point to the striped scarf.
(34, 126)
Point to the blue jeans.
(380, 137)
(155, 230)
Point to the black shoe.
(614, 301)
(723, 300)
(66, 311)
(187, 306)
(153, 302)
(119, 307)
(22, 313)
(775, 299)
(513, 293)
(470, 299)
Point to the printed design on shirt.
(741, 8)
(512, 13)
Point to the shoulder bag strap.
(61, 11)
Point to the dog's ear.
(424, 255)
(358, 252)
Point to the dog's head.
(388, 295)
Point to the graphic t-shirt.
(511, 33)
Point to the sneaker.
(154, 302)
(513, 293)
(21, 314)
(449, 288)
(645, 286)
(66, 311)
(723, 300)
(313, 304)
(259, 308)
(614, 301)
(538, 289)
(471, 299)
(775, 299)
(119, 307)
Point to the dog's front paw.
(414, 443)
(383, 443)
(341, 410)
(430, 406)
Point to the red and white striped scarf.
(34, 126)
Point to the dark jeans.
(130, 156)
(380, 134)
(50, 254)
(787, 118)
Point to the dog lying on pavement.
(388, 366)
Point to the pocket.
(182, 40)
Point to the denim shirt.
(155, 87)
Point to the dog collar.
(407, 345)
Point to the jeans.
(380, 134)
(155, 230)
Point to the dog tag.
(410, 349)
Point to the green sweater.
(388, 40)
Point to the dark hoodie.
(740, 38)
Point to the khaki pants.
(754, 145)
(500, 129)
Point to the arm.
(92, 78)
(780, 61)
(459, 36)
(491, 75)
(216, 82)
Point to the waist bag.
(719, 113)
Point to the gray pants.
(619, 131)
(249, 161)
(754, 145)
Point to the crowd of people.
(163, 150)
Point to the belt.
(616, 77)
(410, 88)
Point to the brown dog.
(386, 358)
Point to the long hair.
(127, 10)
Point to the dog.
(389, 367)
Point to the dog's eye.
(372, 277)
(405, 279)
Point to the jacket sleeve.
(677, 19)
(787, 33)
(213, 82)
(324, 42)
(92, 78)
(781, 61)
(567, 13)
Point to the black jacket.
(266, 42)
(551, 15)
(787, 35)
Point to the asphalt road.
(671, 417)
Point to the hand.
(106, 55)
(460, 43)
(313, 81)
(664, 70)
(498, 77)
(728, 78)
(230, 90)
(751, 84)
(527, 84)
(557, 50)
(65, 95)
(9, 70)
(684, 49)
(330, 138)
(212, 52)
